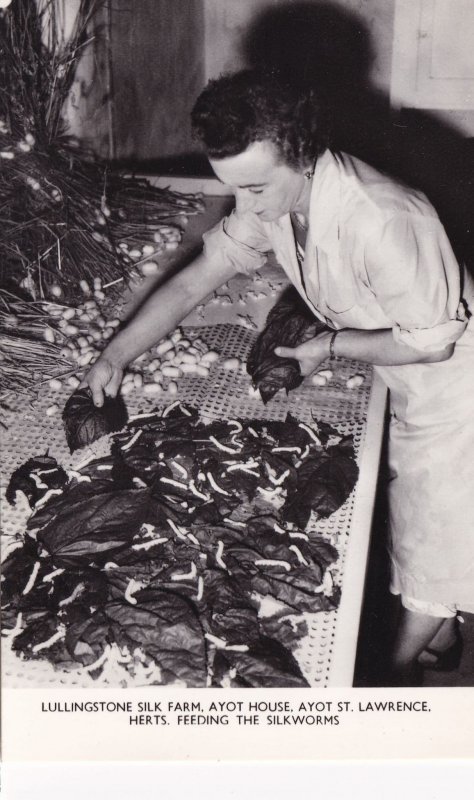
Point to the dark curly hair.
(236, 110)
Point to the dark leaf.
(165, 626)
(323, 486)
(267, 663)
(84, 422)
(93, 528)
(36, 477)
(87, 639)
(289, 323)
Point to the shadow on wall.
(330, 48)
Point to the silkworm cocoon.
(148, 249)
(172, 387)
(164, 346)
(55, 384)
(193, 351)
(202, 371)
(135, 253)
(69, 313)
(326, 373)
(95, 334)
(151, 389)
(319, 380)
(184, 343)
(158, 237)
(99, 295)
(149, 268)
(176, 336)
(157, 376)
(128, 377)
(231, 364)
(97, 284)
(71, 330)
(85, 287)
(137, 380)
(52, 410)
(65, 352)
(55, 311)
(90, 304)
(169, 356)
(82, 341)
(85, 358)
(123, 246)
(171, 245)
(188, 368)
(113, 323)
(73, 382)
(56, 290)
(48, 335)
(153, 365)
(209, 357)
(108, 333)
(188, 358)
(355, 381)
(126, 388)
(100, 321)
(170, 371)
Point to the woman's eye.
(256, 191)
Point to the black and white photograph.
(237, 362)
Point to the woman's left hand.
(310, 354)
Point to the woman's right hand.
(104, 377)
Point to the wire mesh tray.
(222, 394)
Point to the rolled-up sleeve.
(240, 242)
(413, 272)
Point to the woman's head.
(237, 110)
(261, 137)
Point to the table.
(229, 320)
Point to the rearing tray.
(327, 653)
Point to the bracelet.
(332, 354)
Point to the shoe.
(445, 660)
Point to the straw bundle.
(64, 215)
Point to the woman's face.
(262, 182)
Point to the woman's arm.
(376, 347)
(158, 316)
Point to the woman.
(371, 258)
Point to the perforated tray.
(225, 394)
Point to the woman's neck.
(302, 204)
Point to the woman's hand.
(310, 354)
(104, 377)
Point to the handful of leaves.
(84, 422)
(289, 323)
